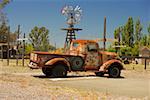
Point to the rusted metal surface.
(84, 41)
(107, 64)
(93, 59)
(55, 60)
(45, 59)
(88, 50)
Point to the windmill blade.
(73, 14)
(64, 11)
(77, 8)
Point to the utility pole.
(145, 64)
(8, 40)
(23, 51)
(17, 56)
(104, 35)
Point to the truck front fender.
(57, 60)
(108, 64)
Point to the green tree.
(3, 3)
(117, 35)
(135, 50)
(138, 29)
(144, 40)
(28, 49)
(3, 18)
(3, 33)
(148, 29)
(39, 38)
(111, 49)
(129, 32)
(123, 37)
(126, 51)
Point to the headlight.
(33, 56)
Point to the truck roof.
(84, 41)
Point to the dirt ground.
(21, 83)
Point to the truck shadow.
(70, 76)
(75, 76)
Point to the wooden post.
(1, 52)
(23, 50)
(145, 64)
(17, 54)
(8, 40)
(104, 35)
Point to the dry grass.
(137, 67)
(12, 68)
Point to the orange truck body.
(83, 55)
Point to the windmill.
(73, 17)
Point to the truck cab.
(88, 50)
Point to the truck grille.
(33, 57)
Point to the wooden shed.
(144, 52)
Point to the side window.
(92, 47)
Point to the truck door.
(92, 57)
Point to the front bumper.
(33, 65)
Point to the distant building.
(4, 46)
(144, 52)
(3, 51)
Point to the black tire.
(47, 71)
(59, 70)
(114, 71)
(101, 74)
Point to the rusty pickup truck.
(82, 55)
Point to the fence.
(146, 59)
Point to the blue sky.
(30, 13)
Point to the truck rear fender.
(57, 61)
(109, 63)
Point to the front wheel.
(59, 71)
(47, 71)
(114, 71)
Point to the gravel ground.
(17, 83)
(20, 87)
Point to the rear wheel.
(47, 71)
(114, 71)
(59, 71)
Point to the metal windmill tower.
(73, 17)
